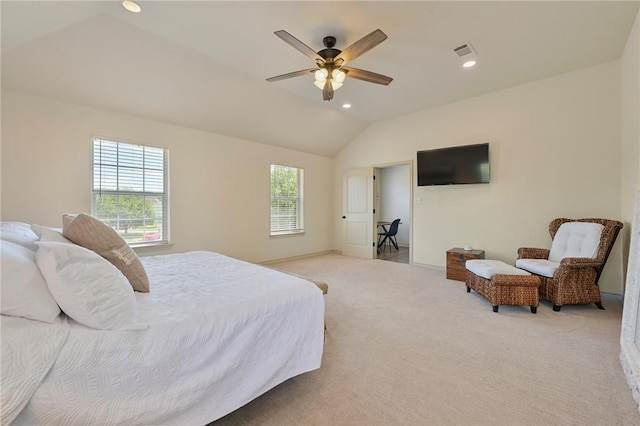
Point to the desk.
(384, 225)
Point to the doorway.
(392, 200)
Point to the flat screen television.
(454, 165)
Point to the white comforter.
(221, 332)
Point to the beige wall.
(555, 152)
(219, 185)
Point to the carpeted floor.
(405, 346)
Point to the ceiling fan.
(331, 70)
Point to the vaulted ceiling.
(203, 64)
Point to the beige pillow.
(91, 233)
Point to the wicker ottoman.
(502, 284)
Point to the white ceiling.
(203, 64)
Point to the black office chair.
(389, 235)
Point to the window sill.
(165, 245)
(286, 233)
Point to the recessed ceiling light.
(469, 64)
(131, 6)
(346, 106)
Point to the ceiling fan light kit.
(330, 62)
(337, 78)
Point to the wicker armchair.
(574, 281)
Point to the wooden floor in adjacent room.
(400, 256)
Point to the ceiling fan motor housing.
(329, 41)
(329, 52)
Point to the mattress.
(219, 332)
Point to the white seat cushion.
(542, 267)
(576, 239)
(488, 268)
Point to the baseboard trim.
(303, 256)
(425, 265)
(615, 295)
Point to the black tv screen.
(454, 165)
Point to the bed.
(212, 334)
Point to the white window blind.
(129, 190)
(287, 210)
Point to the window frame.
(299, 198)
(98, 190)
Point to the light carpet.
(406, 346)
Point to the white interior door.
(357, 213)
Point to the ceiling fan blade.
(299, 46)
(327, 90)
(369, 76)
(361, 46)
(292, 74)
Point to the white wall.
(219, 186)
(554, 151)
(395, 198)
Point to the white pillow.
(24, 290)
(19, 233)
(49, 234)
(87, 287)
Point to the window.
(129, 190)
(287, 187)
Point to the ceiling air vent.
(464, 50)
